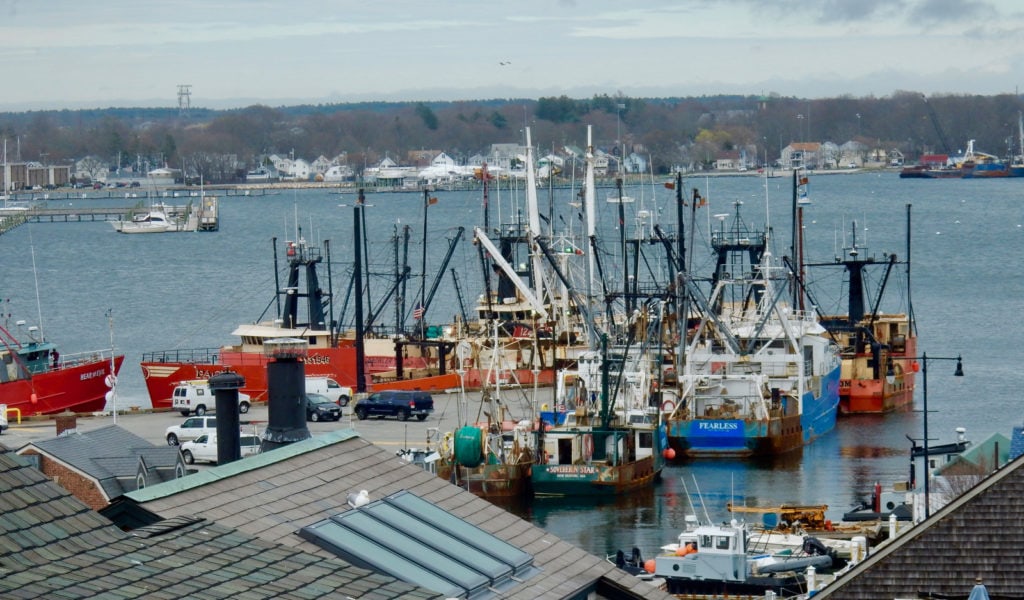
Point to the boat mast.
(910, 305)
(589, 194)
(357, 210)
(534, 220)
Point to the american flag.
(417, 313)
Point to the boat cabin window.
(722, 542)
(646, 439)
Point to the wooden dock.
(8, 221)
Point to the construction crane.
(938, 128)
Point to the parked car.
(321, 408)
(401, 404)
(204, 448)
(190, 429)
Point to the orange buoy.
(649, 565)
(33, 398)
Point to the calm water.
(190, 290)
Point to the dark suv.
(395, 404)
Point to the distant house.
(601, 162)
(101, 465)
(828, 155)
(388, 173)
(422, 158)
(163, 176)
(801, 154)
(550, 164)
(320, 165)
(505, 155)
(727, 161)
(852, 154)
(634, 163)
(300, 170)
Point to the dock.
(208, 215)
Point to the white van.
(325, 386)
(196, 397)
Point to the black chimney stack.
(225, 388)
(286, 393)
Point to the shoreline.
(173, 191)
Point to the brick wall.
(80, 487)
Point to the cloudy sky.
(74, 54)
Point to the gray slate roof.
(112, 456)
(53, 546)
(289, 488)
(977, 535)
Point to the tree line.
(673, 132)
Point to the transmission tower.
(184, 98)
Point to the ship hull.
(594, 480)
(490, 480)
(778, 434)
(80, 387)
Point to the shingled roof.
(276, 494)
(112, 456)
(53, 546)
(976, 535)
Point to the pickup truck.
(196, 396)
(204, 448)
(395, 403)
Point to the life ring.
(668, 406)
(588, 446)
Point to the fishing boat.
(36, 379)
(491, 459)
(155, 220)
(598, 450)
(490, 456)
(330, 354)
(163, 218)
(541, 322)
(877, 348)
(717, 560)
(760, 377)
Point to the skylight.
(413, 540)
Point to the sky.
(235, 53)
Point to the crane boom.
(938, 128)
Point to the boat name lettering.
(718, 425)
(318, 359)
(93, 374)
(572, 470)
(204, 374)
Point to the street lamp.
(858, 124)
(800, 128)
(890, 377)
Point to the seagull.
(357, 500)
(505, 62)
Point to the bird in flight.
(505, 62)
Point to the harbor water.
(89, 287)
